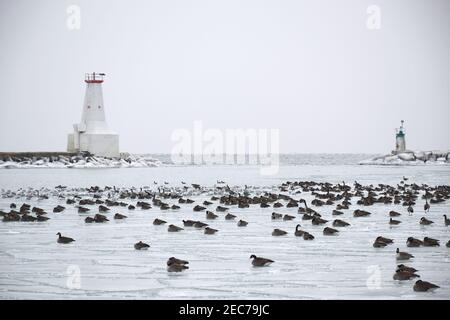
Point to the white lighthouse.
(92, 134)
(400, 144)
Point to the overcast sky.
(311, 69)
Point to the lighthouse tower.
(92, 134)
(400, 144)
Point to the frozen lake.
(33, 265)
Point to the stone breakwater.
(411, 158)
(70, 160)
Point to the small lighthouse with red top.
(92, 133)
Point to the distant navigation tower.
(92, 134)
(400, 144)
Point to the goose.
(24, 208)
(89, 220)
(102, 208)
(426, 206)
(99, 218)
(360, 213)
(211, 215)
(260, 262)
(404, 275)
(41, 218)
(394, 222)
(446, 221)
(229, 216)
(342, 206)
(413, 242)
(287, 217)
(173, 260)
(27, 218)
(276, 215)
(308, 236)
(188, 223)
(403, 255)
(292, 204)
(175, 207)
(199, 224)
(145, 206)
(430, 242)
(199, 208)
(175, 267)
(307, 216)
(277, 205)
(318, 221)
(340, 223)
(221, 209)
(119, 216)
(58, 209)
(12, 206)
(385, 240)
(158, 222)
(62, 239)
(131, 207)
(423, 286)
(83, 209)
(424, 221)
(337, 213)
(329, 231)
(141, 246)
(448, 244)
(410, 210)
(298, 232)
(278, 232)
(41, 213)
(264, 205)
(402, 267)
(394, 214)
(207, 203)
(37, 210)
(12, 216)
(242, 223)
(209, 230)
(243, 205)
(174, 228)
(164, 206)
(379, 244)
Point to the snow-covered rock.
(411, 158)
(127, 161)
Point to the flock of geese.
(339, 196)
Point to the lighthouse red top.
(94, 77)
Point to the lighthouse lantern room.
(400, 144)
(92, 133)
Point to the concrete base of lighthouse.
(103, 145)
